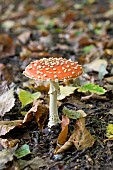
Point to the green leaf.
(93, 88)
(22, 151)
(98, 31)
(26, 97)
(65, 91)
(109, 133)
(23, 113)
(71, 113)
(88, 48)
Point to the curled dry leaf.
(64, 147)
(6, 126)
(40, 111)
(63, 134)
(81, 137)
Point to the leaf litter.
(7, 100)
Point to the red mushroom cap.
(55, 69)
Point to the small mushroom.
(53, 70)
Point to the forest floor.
(78, 30)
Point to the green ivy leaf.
(93, 88)
(72, 114)
(26, 97)
(109, 133)
(22, 151)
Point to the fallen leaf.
(108, 13)
(7, 101)
(24, 37)
(73, 114)
(26, 97)
(37, 162)
(41, 115)
(83, 40)
(63, 134)
(7, 25)
(22, 151)
(102, 71)
(65, 91)
(64, 147)
(93, 88)
(95, 65)
(40, 111)
(109, 79)
(109, 133)
(6, 155)
(7, 46)
(6, 126)
(109, 51)
(88, 48)
(81, 138)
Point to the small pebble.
(58, 157)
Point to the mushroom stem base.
(53, 115)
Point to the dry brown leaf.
(109, 52)
(2, 67)
(83, 40)
(35, 46)
(63, 134)
(7, 46)
(109, 79)
(40, 111)
(41, 115)
(6, 126)
(64, 147)
(24, 37)
(81, 138)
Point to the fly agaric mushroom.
(53, 70)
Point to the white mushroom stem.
(53, 110)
